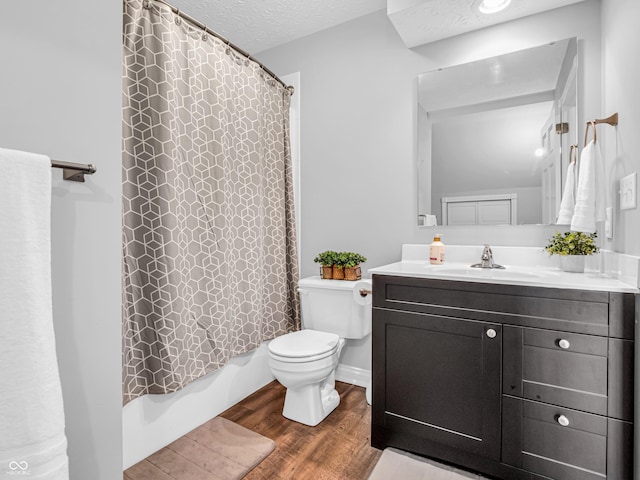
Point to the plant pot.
(338, 273)
(572, 263)
(352, 273)
(326, 272)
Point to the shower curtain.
(210, 262)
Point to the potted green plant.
(338, 265)
(573, 248)
(352, 263)
(326, 260)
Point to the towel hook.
(586, 133)
(573, 154)
(610, 120)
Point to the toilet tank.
(335, 306)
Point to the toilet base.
(311, 404)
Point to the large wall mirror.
(494, 137)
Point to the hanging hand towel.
(567, 205)
(590, 197)
(32, 442)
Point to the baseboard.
(354, 375)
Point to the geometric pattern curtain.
(209, 247)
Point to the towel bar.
(611, 120)
(74, 172)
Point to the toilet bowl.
(308, 376)
(305, 361)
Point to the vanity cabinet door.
(441, 380)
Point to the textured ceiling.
(423, 21)
(257, 25)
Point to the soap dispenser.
(436, 251)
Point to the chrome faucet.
(486, 259)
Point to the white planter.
(572, 263)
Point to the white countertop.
(530, 276)
(532, 270)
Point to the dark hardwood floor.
(336, 449)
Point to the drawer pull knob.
(491, 333)
(562, 420)
(564, 344)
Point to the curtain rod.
(202, 26)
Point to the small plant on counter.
(572, 243)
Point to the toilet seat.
(304, 346)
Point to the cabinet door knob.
(562, 420)
(491, 333)
(564, 343)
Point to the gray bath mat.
(217, 450)
(398, 465)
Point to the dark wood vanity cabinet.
(511, 381)
(462, 358)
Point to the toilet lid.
(304, 343)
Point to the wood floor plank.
(238, 413)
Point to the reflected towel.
(32, 442)
(568, 203)
(590, 197)
(430, 221)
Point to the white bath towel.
(32, 439)
(568, 203)
(429, 220)
(590, 197)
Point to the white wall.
(60, 96)
(359, 130)
(621, 77)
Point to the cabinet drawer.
(557, 442)
(567, 310)
(565, 444)
(564, 369)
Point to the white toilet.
(305, 361)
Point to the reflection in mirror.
(494, 137)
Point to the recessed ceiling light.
(493, 6)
